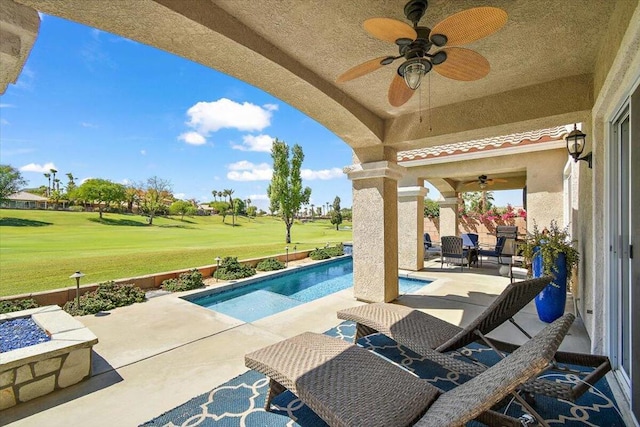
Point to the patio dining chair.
(430, 247)
(431, 337)
(346, 385)
(452, 250)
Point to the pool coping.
(234, 284)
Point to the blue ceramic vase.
(551, 301)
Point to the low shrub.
(270, 264)
(108, 296)
(185, 282)
(326, 252)
(231, 269)
(319, 253)
(17, 305)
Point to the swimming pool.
(282, 291)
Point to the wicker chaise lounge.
(431, 337)
(346, 385)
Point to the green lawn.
(40, 249)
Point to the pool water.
(275, 294)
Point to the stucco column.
(449, 216)
(375, 230)
(19, 27)
(411, 227)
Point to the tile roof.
(24, 196)
(534, 137)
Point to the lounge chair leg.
(275, 388)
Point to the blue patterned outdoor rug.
(240, 402)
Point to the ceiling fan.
(415, 45)
(483, 181)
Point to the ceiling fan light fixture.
(413, 70)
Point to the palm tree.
(48, 176)
(56, 184)
(215, 195)
(53, 173)
(229, 192)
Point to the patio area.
(154, 356)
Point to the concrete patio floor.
(154, 356)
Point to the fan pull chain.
(420, 102)
(429, 82)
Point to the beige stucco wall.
(616, 73)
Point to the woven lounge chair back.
(474, 397)
(514, 297)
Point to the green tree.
(96, 190)
(239, 207)
(285, 190)
(221, 208)
(71, 187)
(478, 201)
(252, 211)
(229, 193)
(11, 181)
(431, 208)
(157, 194)
(48, 176)
(336, 213)
(182, 208)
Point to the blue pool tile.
(255, 305)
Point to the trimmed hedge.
(108, 296)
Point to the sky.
(98, 105)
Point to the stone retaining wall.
(33, 371)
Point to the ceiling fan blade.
(389, 30)
(463, 64)
(470, 25)
(361, 70)
(499, 180)
(399, 92)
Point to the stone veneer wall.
(37, 370)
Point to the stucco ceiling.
(542, 61)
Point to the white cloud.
(255, 197)
(323, 174)
(271, 107)
(7, 106)
(247, 171)
(34, 167)
(261, 143)
(143, 152)
(88, 125)
(207, 117)
(4, 122)
(180, 196)
(193, 138)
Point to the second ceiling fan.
(416, 43)
(483, 181)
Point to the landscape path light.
(286, 263)
(77, 275)
(217, 267)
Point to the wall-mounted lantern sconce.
(575, 146)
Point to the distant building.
(24, 200)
